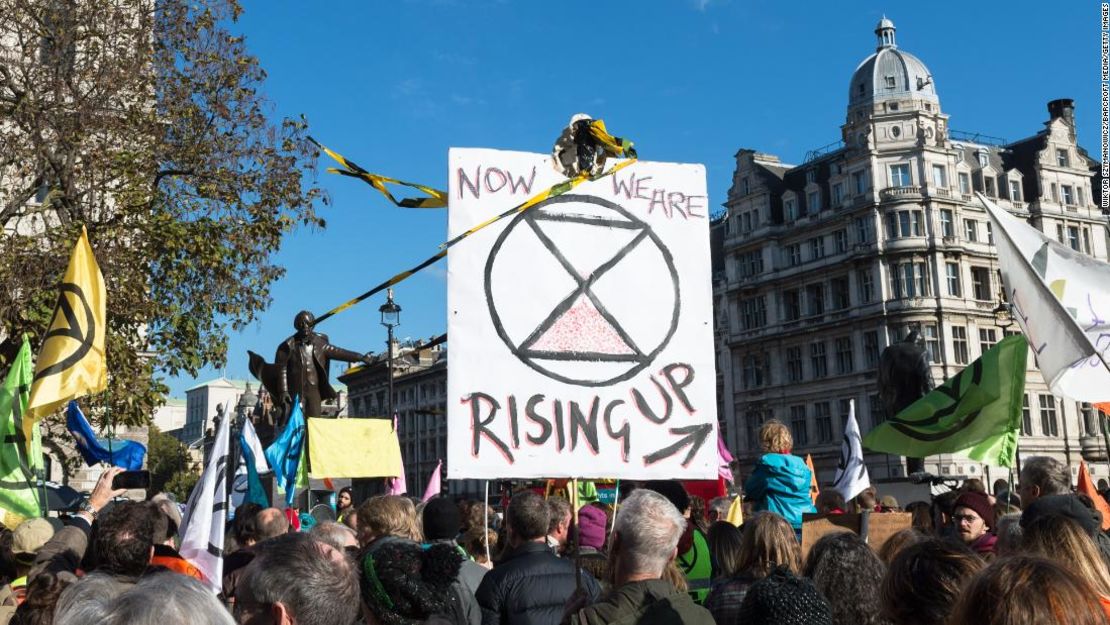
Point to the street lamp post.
(391, 318)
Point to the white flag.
(250, 448)
(1059, 296)
(851, 473)
(202, 529)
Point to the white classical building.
(828, 262)
(200, 405)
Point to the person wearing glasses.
(974, 522)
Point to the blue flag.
(284, 454)
(252, 462)
(128, 455)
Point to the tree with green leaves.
(145, 122)
(171, 468)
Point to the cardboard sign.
(582, 329)
(880, 527)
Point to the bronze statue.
(904, 377)
(300, 368)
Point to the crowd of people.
(662, 557)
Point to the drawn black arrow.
(692, 435)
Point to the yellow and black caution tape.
(435, 199)
(614, 146)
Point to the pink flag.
(434, 483)
(724, 458)
(397, 485)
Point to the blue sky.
(394, 85)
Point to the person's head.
(974, 516)
(1070, 506)
(401, 583)
(167, 599)
(1026, 590)
(42, 597)
(527, 518)
(271, 523)
(767, 542)
(296, 579)
(848, 573)
(123, 538)
(924, 581)
(999, 487)
(782, 598)
(724, 548)
(697, 509)
(338, 536)
(899, 541)
(673, 491)
(867, 499)
(171, 514)
(89, 599)
(775, 438)
(27, 539)
(718, 508)
(1040, 476)
(245, 524)
(973, 485)
(830, 502)
(943, 508)
(476, 513)
(558, 519)
(645, 535)
(387, 515)
(476, 540)
(592, 526)
(1009, 534)
(345, 499)
(440, 519)
(1059, 538)
(922, 516)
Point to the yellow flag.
(353, 448)
(71, 360)
(814, 489)
(736, 512)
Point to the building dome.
(890, 73)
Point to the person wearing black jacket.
(530, 585)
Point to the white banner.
(582, 329)
(1059, 296)
(202, 529)
(851, 473)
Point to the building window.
(988, 185)
(1086, 240)
(1049, 426)
(818, 360)
(794, 364)
(750, 263)
(871, 349)
(982, 158)
(1062, 158)
(1055, 193)
(959, 345)
(863, 229)
(798, 427)
(970, 230)
(840, 240)
(815, 298)
(1060, 232)
(859, 181)
(746, 188)
(824, 422)
(844, 355)
(1015, 191)
(840, 293)
(754, 371)
(952, 271)
(932, 342)
(753, 312)
(1088, 419)
(946, 229)
(1026, 417)
(794, 254)
(900, 175)
(816, 248)
(791, 208)
(1073, 237)
(965, 183)
(844, 408)
(866, 286)
(990, 233)
(940, 176)
(811, 175)
(813, 202)
(987, 338)
(908, 279)
(906, 223)
(837, 193)
(791, 305)
(981, 284)
(1069, 196)
(889, 82)
(1079, 196)
(878, 414)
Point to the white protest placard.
(581, 330)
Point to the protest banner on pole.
(582, 329)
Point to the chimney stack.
(1064, 108)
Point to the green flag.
(976, 412)
(18, 497)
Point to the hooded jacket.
(652, 601)
(530, 586)
(780, 484)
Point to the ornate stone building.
(828, 262)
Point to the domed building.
(826, 263)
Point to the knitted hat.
(591, 527)
(441, 519)
(403, 583)
(979, 503)
(1063, 505)
(782, 598)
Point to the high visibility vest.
(696, 564)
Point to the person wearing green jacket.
(780, 482)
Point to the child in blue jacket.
(780, 482)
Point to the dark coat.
(530, 586)
(654, 602)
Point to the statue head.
(913, 338)
(304, 321)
